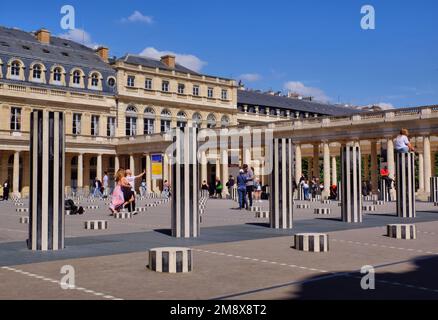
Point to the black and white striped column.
(185, 212)
(351, 202)
(281, 199)
(434, 189)
(384, 191)
(405, 179)
(46, 200)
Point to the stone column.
(427, 164)
(203, 166)
(391, 164)
(366, 170)
(46, 202)
(148, 173)
(247, 156)
(351, 183)
(218, 167)
(420, 172)
(99, 167)
(406, 185)
(80, 173)
(165, 167)
(225, 171)
(185, 213)
(374, 167)
(334, 171)
(281, 196)
(132, 164)
(116, 163)
(298, 163)
(326, 192)
(16, 175)
(315, 169)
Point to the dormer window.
(76, 78)
(95, 80)
(15, 70)
(36, 72)
(57, 75)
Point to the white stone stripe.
(56, 186)
(45, 183)
(34, 181)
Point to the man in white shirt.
(402, 144)
(131, 179)
(105, 185)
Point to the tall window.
(15, 119)
(131, 121)
(77, 78)
(36, 74)
(181, 120)
(165, 121)
(148, 84)
(225, 121)
(77, 123)
(197, 120)
(165, 86)
(196, 90)
(15, 69)
(131, 81)
(149, 121)
(94, 125)
(111, 127)
(210, 92)
(57, 75)
(224, 94)
(95, 80)
(181, 88)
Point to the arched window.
(95, 80)
(15, 69)
(57, 75)
(211, 121)
(181, 119)
(225, 121)
(37, 72)
(166, 118)
(197, 120)
(77, 78)
(131, 121)
(149, 121)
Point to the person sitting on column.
(402, 143)
(119, 197)
(242, 179)
(230, 184)
(384, 174)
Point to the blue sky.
(315, 47)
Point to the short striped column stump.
(326, 202)
(311, 242)
(142, 209)
(92, 207)
(151, 205)
(262, 214)
(402, 231)
(379, 203)
(96, 225)
(322, 211)
(123, 215)
(314, 200)
(19, 204)
(303, 206)
(68, 212)
(369, 208)
(24, 220)
(22, 210)
(255, 209)
(171, 260)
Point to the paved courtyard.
(236, 257)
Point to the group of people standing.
(248, 186)
(123, 196)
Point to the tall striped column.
(351, 183)
(434, 189)
(281, 198)
(405, 179)
(46, 214)
(185, 214)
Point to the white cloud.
(187, 60)
(80, 36)
(250, 77)
(300, 88)
(384, 105)
(137, 16)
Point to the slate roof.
(272, 101)
(22, 44)
(154, 63)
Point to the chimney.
(103, 53)
(43, 36)
(169, 61)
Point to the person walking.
(402, 143)
(97, 187)
(143, 188)
(230, 185)
(105, 185)
(122, 194)
(306, 188)
(241, 189)
(6, 190)
(249, 172)
(218, 188)
(130, 178)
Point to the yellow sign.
(157, 166)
